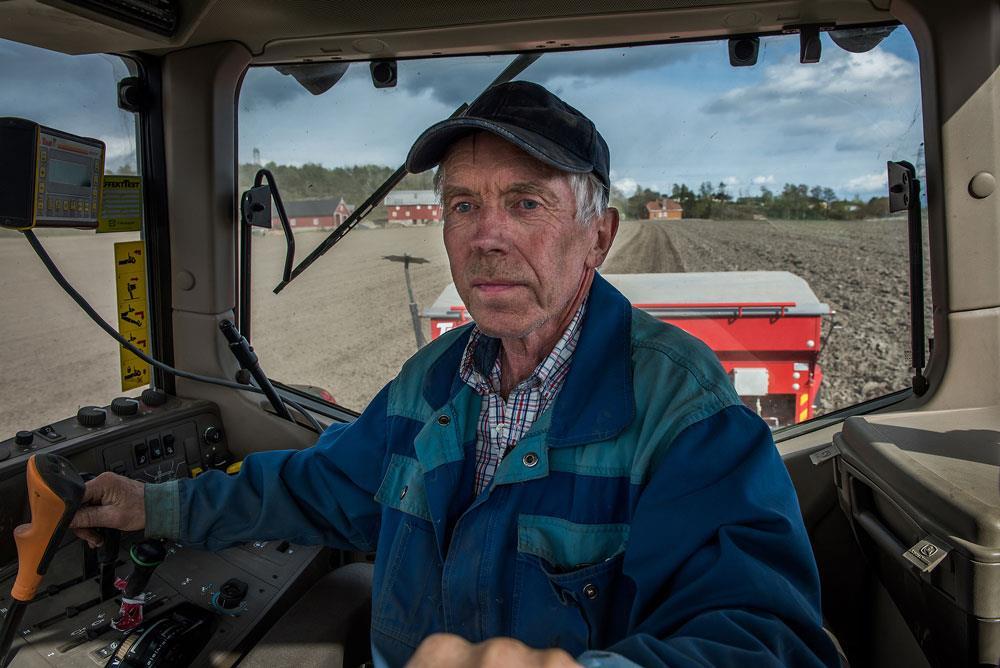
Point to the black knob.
(91, 416)
(231, 594)
(24, 438)
(146, 556)
(152, 397)
(213, 435)
(124, 406)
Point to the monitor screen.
(69, 173)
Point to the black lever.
(107, 558)
(145, 556)
(106, 555)
(247, 358)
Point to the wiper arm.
(516, 66)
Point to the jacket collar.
(597, 401)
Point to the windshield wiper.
(516, 66)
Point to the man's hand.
(444, 650)
(111, 501)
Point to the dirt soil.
(344, 325)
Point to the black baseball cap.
(531, 118)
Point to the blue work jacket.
(646, 518)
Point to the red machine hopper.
(765, 327)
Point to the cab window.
(54, 358)
(753, 199)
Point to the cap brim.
(431, 146)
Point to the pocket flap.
(568, 545)
(402, 487)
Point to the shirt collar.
(597, 400)
(480, 366)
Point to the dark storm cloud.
(52, 88)
(265, 86)
(77, 94)
(452, 81)
(856, 143)
(455, 81)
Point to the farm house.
(320, 213)
(410, 207)
(664, 208)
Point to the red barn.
(318, 214)
(664, 208)
(411, 207)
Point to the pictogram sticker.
(130, 286)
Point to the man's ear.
(606, 227)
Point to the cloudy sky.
(673, 113)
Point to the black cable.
(36, 245)
(317, 427)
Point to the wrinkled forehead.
(483, 155)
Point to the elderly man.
(567, 481)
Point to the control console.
(218, 603)
(237, 593)
(152, 438)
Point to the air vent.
(159, 16)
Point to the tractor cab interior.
(807, 186)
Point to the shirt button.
(590, 591)
(444, 420)
(530, 460)
(403, 492)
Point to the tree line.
(312, 180)
(792, 202)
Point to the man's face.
(518, 256)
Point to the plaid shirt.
(503, 423)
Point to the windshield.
(753, 202)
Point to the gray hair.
(589, 193)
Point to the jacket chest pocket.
(569, 590)
(407, 596)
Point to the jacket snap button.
(444, 420)
(590, 591)
(403, 492)
(530, 459)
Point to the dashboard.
(218, 603)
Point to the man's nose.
(492, 231)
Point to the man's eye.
(463, 207)
(529, 204)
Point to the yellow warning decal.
(803, 399)
(803, 415)
(121, 204)
(130, 286)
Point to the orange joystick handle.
(55, 492)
